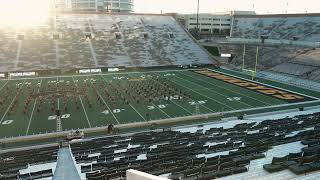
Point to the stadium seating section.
(291, 55)
(70, 41)
(196, 155)
(268, 56)
(298, 62)
(206, 153)
(305, 28)
(12, 162)
(309, 84)
(307, 160)
(83, 41)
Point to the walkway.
(65, 167)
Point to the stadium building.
(134, 96)
(213, 24)
(96, 5)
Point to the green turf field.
(28, 106)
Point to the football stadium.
(99, 94)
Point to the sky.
(23, 12)
(210, 6)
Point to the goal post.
(243, 56)
(252, 71)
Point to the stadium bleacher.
(234, 148)
(269, 56)
(311, 57)
(238, 149)
(12, 163)
(295, 69)
(315, 75)
(294, 26)
(204, 154)
(83, 41)
(299, 163)
(299, 62)
(280, 77)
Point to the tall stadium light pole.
(198, 15)
(96, 5)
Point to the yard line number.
(193, 103)
(161, 106)
(115, 111)
(7, 122)
(54, 117)
(234, 98)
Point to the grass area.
(212, 50)
(28, 106)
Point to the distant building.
(61, 4)
(213, 24)
(119, 5)
(95, 5)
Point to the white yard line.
(227, 89)
(213, 91)
(191, 100)
(4, 85)
(194, 100)
(162, 111)
(175, 102)
(11, 103)
(181, 107)
(129, 103)
(34, 106)
(137, 112)
(204, 95)
(107, 106)
(84, 110)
